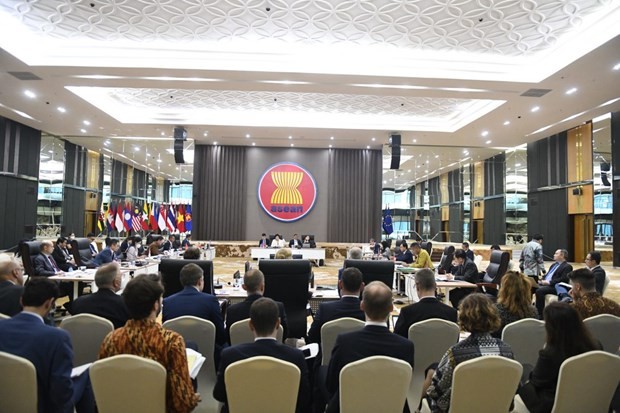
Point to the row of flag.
(138, 217)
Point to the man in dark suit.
(373, 340)
(428, 307)
(593, 262)
(558, 272)
(404, 255)
(107, 255)
(62, 256)
(264, 322)
(254, 285)
(295, 242)
(468, 252)
(192, 301)
(48, 348)
(264, 241)
(348, 306)
(11, 288)
(44, 263)
(466, 270)
(105, 302)
(375, 247)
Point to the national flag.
(188, 218)
(136, 219)
(100, 219)
(387, 221)
(145, 216)
(119, 222)
(161, 220)
(171, 220)
(111, 216)
(181, 218)
(153, 217)
(106, 218)
(127, 216)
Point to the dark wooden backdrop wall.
(20, 148)
(494, 225)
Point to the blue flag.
(188, 218)
(387, 221)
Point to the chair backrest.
(428, 246)
(526, 338)
(87, 332)
(202, 333)
(498, 266)
(250, 385)
(606, 329)
(374, 270)
(128, 383)
(303, 237)
(28, 251)
(374, 384)
(247, 267)
(472, 380)
(18, 384)
(605, 284)
(170, 269)
(432, 338)
(446, 258)
(240, 333)
(287, 281)
(80, 249)
(330, 331)
(587, 382)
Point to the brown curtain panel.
(219, 204)
(354, 213)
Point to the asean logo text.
(286, 191)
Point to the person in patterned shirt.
(586, 300)
(144, 337)
(478, 315)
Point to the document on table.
(195, 360)
(77, 371)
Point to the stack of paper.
(195, 360)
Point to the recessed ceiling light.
(436, 156)
(159, 161)
(571, 90)
(292, 144)
(465, 151)
(617, 66)
(30, 94)
(85, 122)
(106, 143)
(136, 148)
(408, 170)
(215, 143)
(367, 146)
(83, 130)
(507, 123)
(373, 139)
(330, 146)
(253, 143)
(418, 166)
(415, 140)
(488, 142)
(518, 164)
(385, 182)
(163, 134)
(290, 137)
(485, 133)
(61, 109)
(331, 138)
(426, 171)
(205, 134)
(247, 136)
(535, 109)
(169, 165)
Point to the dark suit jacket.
(49, 349)
(9, 298)
(295, 243)
(190, 301)
(241, 311)
(333, 310)
(263, 243)
(561, 273)
(106, 256)
(467, 272)
(599, 278)
(269, 348)
(424, 309)
(104, 303)
(61, 260)
(406, 257)
(370, 341)
(42, 266)
(470, 254)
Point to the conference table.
(237, 294)
(441, 281)
(306, 253)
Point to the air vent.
(535, 93)
(25, 75)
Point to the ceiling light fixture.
(163, 134)
(30, 94)
(415, 140)
(292, 144)
(535, 109)
(290, 137)
(331, 138)
(330, 146)
(485, 133)
(571, 90)
(253, 143)
(215, 143)
(616, 66)
(83, 130)
(507, 123)
(61, 109)
(205, 134)
(367, 146)
(488, 142)
(247, 136)
(85, 122)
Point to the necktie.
(551, 271)
(53, 263)
(92, 249)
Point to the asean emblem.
(286, 192)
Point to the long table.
(236, 295)
(441, 282)
(306, 253)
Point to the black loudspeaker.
(577, 191)
(180, 136)
(605, 166)
(395, 144)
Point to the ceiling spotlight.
(292, 144)
(571, 90)
(415, 140)
(507, 123)
(617, 66)
(61, 109)
(436, 156)
(253, 143)
(488, 142)
(30, 94)
(87, 123)
(247, 136)
(535, 109)
(205, 134)
(373, 139)
(215, 143)
(83, 130)
(290, 137)
(331, 146)
(106, 143)
(163, 134)
(331, 138)
(159, 161)
(485, 133)
(136, 148)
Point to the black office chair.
(428, 246)
(445, 263)
(80, 249)
(287, 281)
(171, 268)
(248, 266)
(498, 266)
(374, 270)
(28, 250)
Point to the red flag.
(181, 218)
(152, 217)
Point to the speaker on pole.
(395, 144)
(180, 136)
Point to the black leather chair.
(297, 256)
(171, 268)
(287, 281)
(374, 270)
(446, 260)
(247, 267)
(498, 266)
(80, 248)
(428, 246)
(28, 250)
